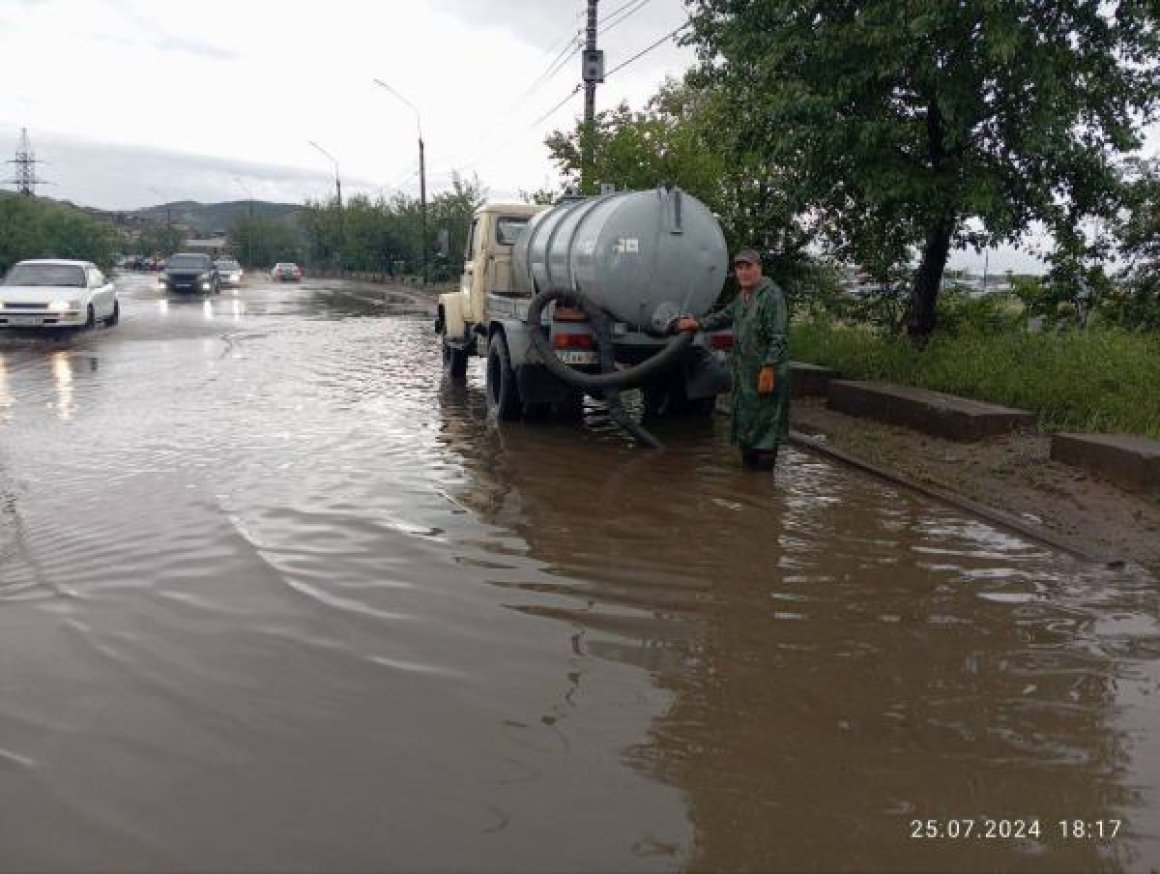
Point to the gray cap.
(747, 254)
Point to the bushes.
(42, 229)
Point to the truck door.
(507, 231)
(474, 270)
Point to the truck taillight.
(721, 341)
(572, 341)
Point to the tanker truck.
(576, 298)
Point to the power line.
(645, 51)
(619, 9)
(474, 161)
(551, 111)
(553, 68)
(609, 23)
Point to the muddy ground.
(1011, 475)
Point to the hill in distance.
(213, 219)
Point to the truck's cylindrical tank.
(642, 256)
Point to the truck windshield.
(508, 229)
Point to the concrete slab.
(1127, 460)
(931, 412)
(809, 379)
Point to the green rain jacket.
(760, 336)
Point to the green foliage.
(897, 123)
(31, 228)
(686, 137)
(261, 242)
(1135, 301)
(1096, 380)
(159, 240)
(378, 235)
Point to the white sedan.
(54, 293)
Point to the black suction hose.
(609, 381)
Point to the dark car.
(191, 272)
(286, 271)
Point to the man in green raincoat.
(759, 361)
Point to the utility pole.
(337, 180)
(423, 203)
(592, 72)
(422, 170)
(25, 161)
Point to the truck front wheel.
(454, 361)
(503, 397)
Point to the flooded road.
(274, 597)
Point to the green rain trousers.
(760, 337)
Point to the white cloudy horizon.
(285, 94)
(131, 104)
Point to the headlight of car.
(60, 306)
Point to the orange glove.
(765, 380)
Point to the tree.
(451, 211)
(261, 242)
(903, 119)
(161, 240)
(31, 228)
(686, 136)
(1135, 302)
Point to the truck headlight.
(60, 306)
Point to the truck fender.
(518, 342)
(451, 315)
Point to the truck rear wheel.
(503, 396)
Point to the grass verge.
(1098, 380)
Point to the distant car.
(230, 271)
(286, 271)
(56, 293)
(191, 272)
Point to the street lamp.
(422, 170)
(337, 181)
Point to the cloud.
(158, 37)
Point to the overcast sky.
(130, 103)
(124, 99)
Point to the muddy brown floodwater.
(275, 597)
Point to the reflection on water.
(299, 606)
(5, 396)
(62, 378)
(843, 657)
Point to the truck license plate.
(577, 356)
(24, 320)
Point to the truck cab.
(487, 269)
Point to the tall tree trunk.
(928, 279)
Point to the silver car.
(57, 293)
(230, 271)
